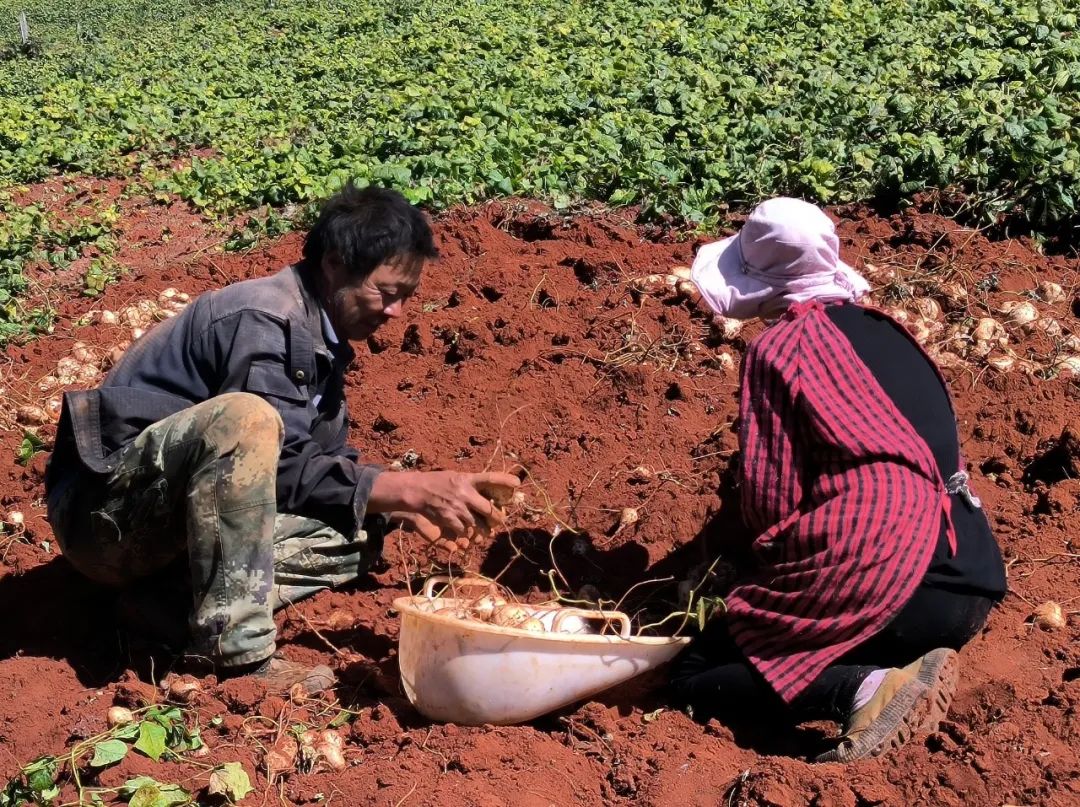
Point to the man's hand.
(443, 504)
(415, 523)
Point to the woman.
(875, 562)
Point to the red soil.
(511, 357)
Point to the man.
(220, 437)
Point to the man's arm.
(334, 487)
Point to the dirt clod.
(243, 694)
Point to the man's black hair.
(368, 227)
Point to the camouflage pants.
(203, 482)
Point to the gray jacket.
(260, 336)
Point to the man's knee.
(248, 430)
(252, 414)
(243, 419)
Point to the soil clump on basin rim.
(530, 347)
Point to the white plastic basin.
(475, 673)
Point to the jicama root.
(729, 328)
(493, 609)
(928, 308)
(510, 616)
(486, 606)
(678, 279)
(1019, 313)
(725, 362)
(1050, 616)
(182, 691)
(280, 760)
(628, 516)
(330, 746)
(119, 716)
(1068, 364)
(1001, 363)
(496, 611)
(1051, 292)
(955, 295)
(32, 416)
(574, 624)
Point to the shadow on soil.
(52, 611)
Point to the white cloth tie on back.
(957, 484)
(786, 253)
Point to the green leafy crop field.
(680, 106)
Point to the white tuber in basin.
(472, 672)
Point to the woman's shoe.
(889, 719)
(910, 701)
(939, 670)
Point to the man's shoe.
(890, 718)
(280, 676)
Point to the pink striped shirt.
(845, 496)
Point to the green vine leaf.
(108, 752)
(143, 791)
(229, 780)
(151, 740)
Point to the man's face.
(357, 310)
